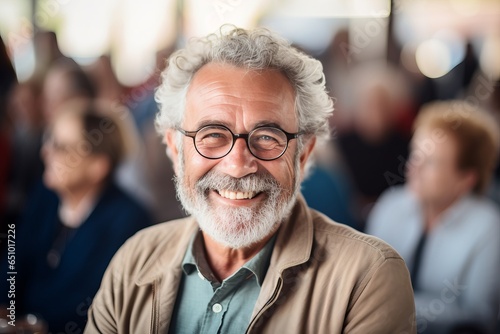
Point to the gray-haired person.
(241, 112)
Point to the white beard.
(237, 227)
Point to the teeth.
(237, 194)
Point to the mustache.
(261, 182)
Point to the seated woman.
(71, 230)
(442, 225)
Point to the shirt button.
(217, 308)
(201, 275)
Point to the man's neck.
(225, 261)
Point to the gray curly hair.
(256, 49)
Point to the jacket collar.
(292, 248)
(163, 268)
(164, 258)
(294, 240)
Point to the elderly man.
(241, 114)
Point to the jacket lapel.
(164, 276)
(293, 247)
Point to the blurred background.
(382, 59)
(131, 32)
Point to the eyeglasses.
(264, 142)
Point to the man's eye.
(213, 139)
(213, 135)
(267, 138)
(266, 142)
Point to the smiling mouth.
(237, 194)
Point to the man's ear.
(306, 153)
(172, 149)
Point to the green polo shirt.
(205, 305)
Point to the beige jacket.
(323, 277)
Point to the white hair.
(256, 49)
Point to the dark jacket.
(62, 295)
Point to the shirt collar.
(195, 260)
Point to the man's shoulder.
(163, 234)
(347, 240)
(155, 248)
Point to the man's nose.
(240, 161)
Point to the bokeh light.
(438, 55)
(489, 59)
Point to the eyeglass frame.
(245, 136)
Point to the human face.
(238, 200)
(432, 171)
(67, 157)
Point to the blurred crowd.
(80, 150)
(82, 170)
(376, 103)
(30, 107)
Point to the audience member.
(134, 174)
(30, 107)
(447, 231)
(75, 221)
(375, 145)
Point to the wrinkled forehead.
(221, 90)
(232, 78)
